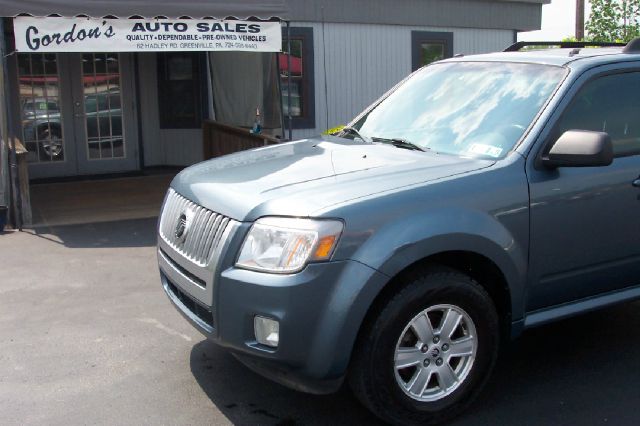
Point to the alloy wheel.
(435, 353)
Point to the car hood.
(302, 177)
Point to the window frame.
(166, 120)
(552, 135)
(308, 119)
(419, 37)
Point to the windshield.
(475, 109)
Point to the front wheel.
(51, 143)
(427, 353)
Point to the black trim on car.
(188, 305)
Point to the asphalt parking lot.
(88, 337)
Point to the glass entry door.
(78, 115)
(46, 129)
(103, 107)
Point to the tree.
(614, 20)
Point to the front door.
(584, 221)
(77, 113)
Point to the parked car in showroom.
(482, 196)
(42, 121)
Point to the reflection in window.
(301, 61)
(102, 105)
(180, 77)
(475, 109)
(609, 104)
(431, 52)
(296, 78)
(40, 107)
(430, 46)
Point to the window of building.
(428, 46)
(302, 96)
(608, 104)
(181, 83)
(39, 87)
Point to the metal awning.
(173, 9)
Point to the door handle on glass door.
(78, 115)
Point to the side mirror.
(580, 148)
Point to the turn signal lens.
(325, 247)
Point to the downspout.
(289, 80)
(14, 174)
(5, 185)
(138, 106)
(283, 127)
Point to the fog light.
(267, 331)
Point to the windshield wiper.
(356, 132)
(401, 143)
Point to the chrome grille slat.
(201, 222)
(205, 235)
(220, 231)
(193, 232)
(207, 246)
(204, 231)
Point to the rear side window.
(608, 104)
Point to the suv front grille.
(190, 229)
(202, 283)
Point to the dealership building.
(91, 87)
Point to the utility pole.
(579, 19)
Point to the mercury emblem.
(181, 227)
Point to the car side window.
(608, 104)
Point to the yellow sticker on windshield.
(334, 130)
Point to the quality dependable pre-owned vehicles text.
(482, 196)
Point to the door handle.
(636, 183)
(78, 108)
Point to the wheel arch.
(374, 386)
(46, 125)
(479, 267)
(484, 246)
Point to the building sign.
(141, 35)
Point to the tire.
(390, 338)
(52, 146)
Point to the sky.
(558, 22)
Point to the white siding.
(172, 147)
(521, 15)
(363, 61)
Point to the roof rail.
(568, 44)
(633, 46)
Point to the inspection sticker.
(482, 149)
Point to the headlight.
(286, 245)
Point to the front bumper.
(319, 310)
